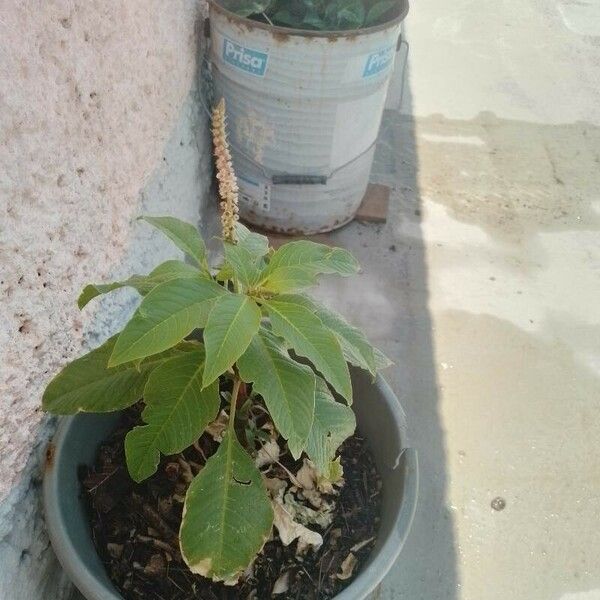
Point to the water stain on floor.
(511, 178)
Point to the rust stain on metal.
(280, 36)
(49, 460)
(241, 26)
(264, 154)
(254, 220)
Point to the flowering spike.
(228, 188)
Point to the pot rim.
(381, 562)
(284, 32)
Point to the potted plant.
(249, 417)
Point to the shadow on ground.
(390, 301)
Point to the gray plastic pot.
(380, 419)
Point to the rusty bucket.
(304, 109)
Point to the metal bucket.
(304, 110)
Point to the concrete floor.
(484, 287)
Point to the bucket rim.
(332, 35)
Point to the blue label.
(378, 61)
(245, 59)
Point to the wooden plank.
(374, 207)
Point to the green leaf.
(88, 385)
(316, 257)
(333, 423)
(331, 11)
(232, 323)
(285, 18)
(381, 360)
(301, 261)
(227, 517)
(289, 279)
(379, 11)
(177, 412)
(225, 273)
(351, 14)
(287, 387)
(356, 347)
(307, 335)
(245, 265)
(245, 259)
(312, 18)
(165, 316)
(184, 235)
(334, 472)
(171, 269)
(340, 261)
(255, 243)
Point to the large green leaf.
(289, 279)
(312, 256)
(184, 235)
(177, 412)
(88, 385)
(357, 349)
(166, 315)
(245, 265)
(227, 516)
(305, 260)
(232, 323)
(255, 243)
(333, 423)
(307, 335)
(245, 260)
(171, 269)
(287, 387)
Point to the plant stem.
(237, 382)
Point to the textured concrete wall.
(99, 122)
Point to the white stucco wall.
(99, 122)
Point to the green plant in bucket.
(318, 15)
(253, 313)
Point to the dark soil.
(135, 528)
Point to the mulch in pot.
(135, 527)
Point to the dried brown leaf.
(347, 567)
